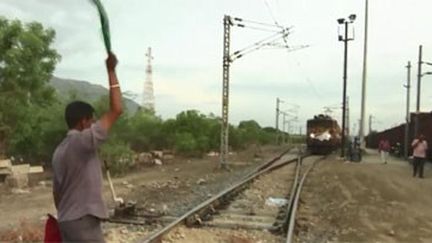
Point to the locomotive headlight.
(312, 135)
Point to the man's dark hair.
(76, 111)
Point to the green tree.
(249, 131)
(26, 65)
(145, 132)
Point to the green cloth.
(104, 23)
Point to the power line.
(271, 12)
(256, 46)
(279, 32)
(255, 28)
(255, 22)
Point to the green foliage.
(144, 132)
(118, 155)
(297, 139)
(186, 144)
(32, 122)
(40, 132)
(26, 65)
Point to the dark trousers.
(418, 166)
(84, 229)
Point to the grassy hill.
(85, 91)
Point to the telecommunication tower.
(148, 97)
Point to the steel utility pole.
(347, 125)
(225, 90)
(345, 40)
(407, 117)
(278, 101)
(283, 127)
(364, 78)
(419, 75)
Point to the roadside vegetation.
(31, 111)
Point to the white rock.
(158, 162)
(20, 191)
(164, 208)
(201, 181)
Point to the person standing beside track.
(383, 149)
(420, 146)
(77, 182)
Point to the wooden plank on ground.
(36, 169)
(5, 171)
(20, 169)
(5, 163)
(235, 224)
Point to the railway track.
(263, 204)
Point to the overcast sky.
(186, 38)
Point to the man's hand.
(111, 62)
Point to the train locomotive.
(323, 135)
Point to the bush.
(118, 155)
(186, 144)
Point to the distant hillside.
(85, 91)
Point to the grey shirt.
(77, 183)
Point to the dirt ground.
(366, 202)
(172, 188)
(216, 235)
(341, 202)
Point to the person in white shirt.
(420, 147)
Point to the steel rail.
(267, 164)
(291, 195)
(206, 206)
(292, 213)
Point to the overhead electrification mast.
(276, 40)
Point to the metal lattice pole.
(225, 91)
(148, 97)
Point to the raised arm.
(116, 109)
(415, 143)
